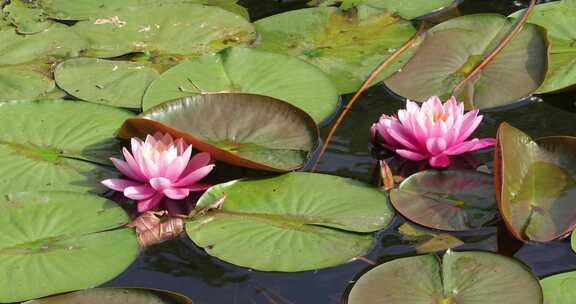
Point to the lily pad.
(246, 130)
(54, 242)
(115, 83)
(285, 224)
(453, 49)
(55, 42)
(345, 45)
(535, 184)
(560, 288)
(28, 18)
(90, 9)
(177, 29)
(428, 241)
(23, 83)
(244, 70)
(405, 9)
(459, 277)
(558, 20)
(57, 145)
(116, 296)
(452, 200)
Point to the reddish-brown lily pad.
(247, 130)
(535, 183)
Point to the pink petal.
(160, 183)
(125, 169)
(411, 155)
(462, 147)
(118, 184)
(198, 187)
(483, 143)
(177, 193)
(147, 204)
(139, 192)
(436, 145)
(469, 124)
(196, 162)
(133, 165)
(439, 161)
(193, 177)
(177, 167)
(400, 136)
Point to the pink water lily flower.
(159, 167)
(434, 131)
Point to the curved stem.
(363, 88)
(515, 30)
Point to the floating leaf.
(535, 184)
(91, 9)
(246, 130)
(452, 200)
(23, 83)
(453, 49)
(55, 42)
(244, 70)
(405, 9)
(56, 145)
(54, 242)
(345, 45)
(560, 288)
(115, 83)
(459, 277)
(558, 20)
(426, 241)
(285, 224)
(27, 18)
(177, 29)
(116, 296)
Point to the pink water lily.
(159, 167)
(434, 131)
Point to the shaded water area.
(181, 266)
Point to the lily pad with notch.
(116, 296)
(285, 223)
(246, 130)
(54, 242)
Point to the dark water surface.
(180, 266)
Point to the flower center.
(437, 116)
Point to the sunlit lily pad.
(54, 242)
(458, 277)
(27, 17)
(57, 145)
(560, 288)
(90, 9)
(115, 83)
(178, 29)
(453, 49)
(558, 20)
(246, 130)
(285, 223)
(116, 296)
(345, 45)
(535, 184)
(244, 70)
(453, 200)
(56, 42)
(405, 9)
(23, 83)
(428, 241)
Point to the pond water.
(180, 266)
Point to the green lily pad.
(459, 277)
(27, 18)
(405, 9)
(90, 9)
(560, 288)
(54, 242)
(177, 29)
(57, 145)
(453, 49)
(558, 20)
(23, 83)
(285, 223)
(246, 130)
(55, 42)
(452, 200)
(116, 296)
(427, 241)
(345, 45)
(115, 83)
(535, 184)
(244, 70)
